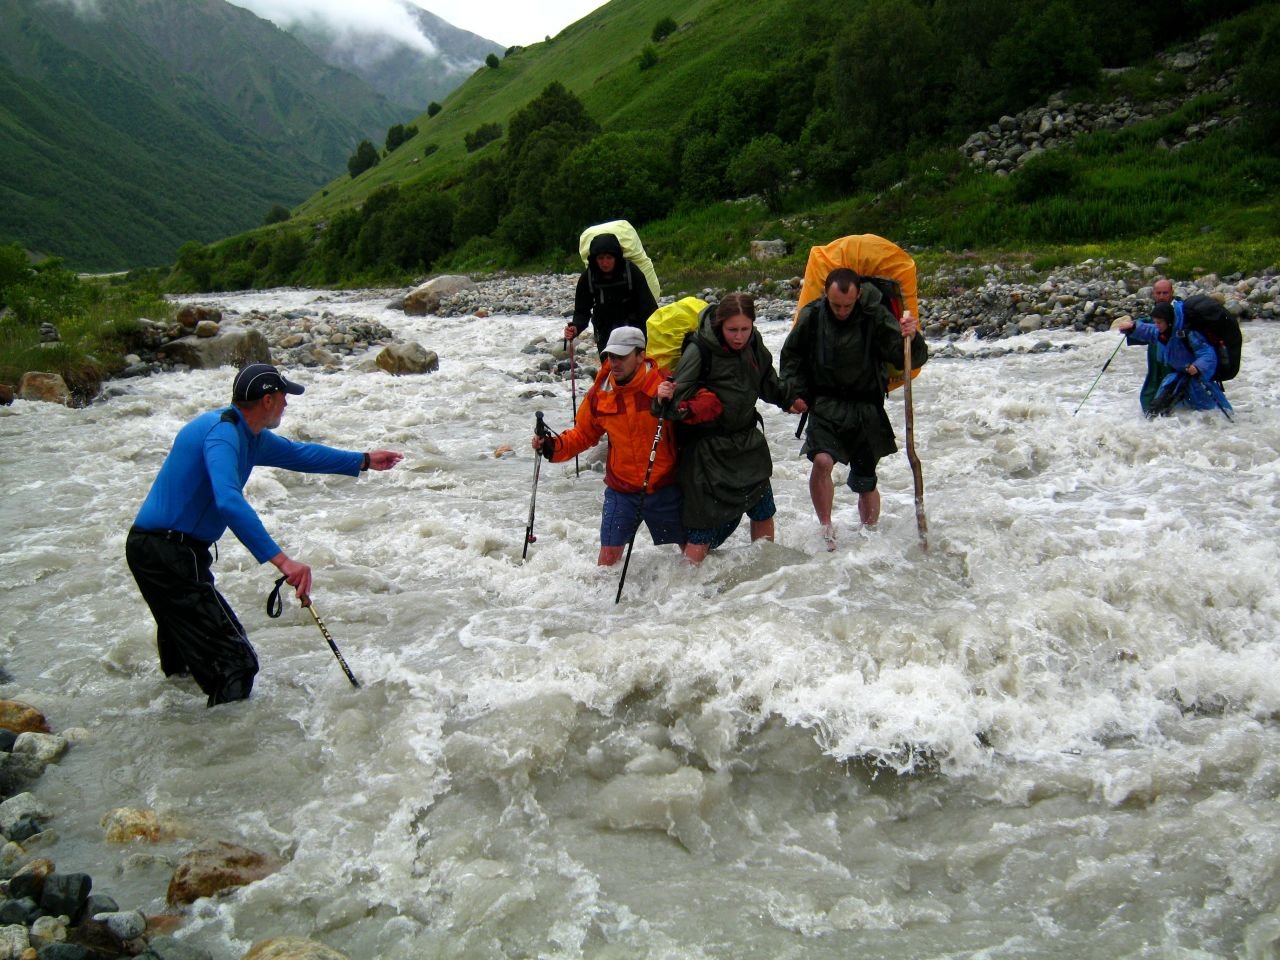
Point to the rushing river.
(1053, 734)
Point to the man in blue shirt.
(197, 495)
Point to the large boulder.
(768, 249)
(426, 298)
(22, 717)
(210, 869)
(233, 347)
(46, 387)
(401, 358)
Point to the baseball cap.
(624, 340)
(258, 379)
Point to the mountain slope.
(402, 71)
(152, 122)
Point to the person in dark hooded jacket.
(612, 292)
(724, 464)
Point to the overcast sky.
(508, 22)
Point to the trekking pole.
(1100, 373)
(275, 606)
(573, 394)
(1206, 385)
(332, 646)
(539, 430)
(644, 492)
(922, 525)
(804, 418)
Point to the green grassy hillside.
(126, 134)
(783, 119)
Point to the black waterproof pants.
(196, 630)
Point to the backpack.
(1214, 322)
(632, 249)
(876, 260)
(668, 330)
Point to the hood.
(605, 243)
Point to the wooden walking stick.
(922, 525)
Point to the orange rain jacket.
(623, 412)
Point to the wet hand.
(666, 389)
(570, 332)
(384, 459)
(799, 406)
(908, 324)
(296, 574)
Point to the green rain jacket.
(724, 465)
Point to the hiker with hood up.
(612, 292)
(619, 406)
(1191, 358)
(724, 464)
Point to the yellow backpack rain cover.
(870, 256)
(632, 249)
(666, 329)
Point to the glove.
(703, 407)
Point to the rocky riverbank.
(987, 302)
(52, 914)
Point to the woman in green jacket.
(724, 464)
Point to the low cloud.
(363, 19)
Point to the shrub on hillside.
(492, 61)
(663, 29)
(481, 135)
(279, 213)
(648, 57)
(363, 159)
(762, 167)
(433, 108)
(399, 134)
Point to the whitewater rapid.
(1053, 734)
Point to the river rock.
(292, 948)
(210, 869)
(42, 386)
(22, 717)
(233, 347)
(21, 807)
(126, 824)
(402, 358)
(192, 315)
(768, 249)
(44, 747)
(6, 394)
(426, 298)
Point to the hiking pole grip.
(922, 524)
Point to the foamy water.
(1053, 734)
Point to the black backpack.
(1207, 317)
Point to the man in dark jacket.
(197, 495)
(612, 292)
(835, 358)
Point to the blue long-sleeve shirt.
(200, 487)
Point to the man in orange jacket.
(619, 405)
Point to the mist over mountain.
(411, 63)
